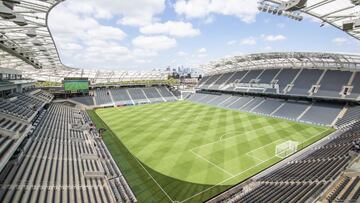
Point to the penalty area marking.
(276, 141)
(213, 164)
(242, 172)
(223, 139)
(224, 181)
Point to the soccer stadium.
(270, 126)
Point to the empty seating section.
(352, 115)
(131, 96)
(86, 100)
(332, 150)
(218, 99)
(251, 75)
(268, 106)
(304, 82)
(315, 113)
(291, 110)
(264, 78)
(227, 102)
(197, 97)
(153, 95)
(61, 163)
(289, 81)
(203, 80)
(121, 96)
(279, 192)
(45, 96)
(322, 113)
(210, 81)
(268, 75)
(12, 109)
(12, 127)
(165, 93)
(252, 104)
(308, 170)
(7, 148)
(355, 92)
(223, 78)
(22, 106)
(347, 190)
(237, 76)
(240, 102)
(285, 77)
(28, 100)
(102, 97)
(332, 83)
(207, 98)
(137, 95)
(306, 177)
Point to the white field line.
(247, 153)
(221, 138)
(254, 157)
(220, 183)
(313, 136)
(229, 133)
(168, 196)
(236, 175)
(218, 167)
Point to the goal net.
(285, 149)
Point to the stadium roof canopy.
(343, 14)
(26, 44)
(284, 60)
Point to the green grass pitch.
(189, 152)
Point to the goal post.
(286, 149)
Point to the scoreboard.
(75, 85)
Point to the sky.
(155, 34)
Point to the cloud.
(232, 42)
(75, 29)
(268, 48)
(182, 53)
(245, 41)
(106, 33)
(84, 40)
(248, 41)
(173, 28)
(70, 46)
(273, 38)
(245, 10)
(128, 12)
(209, 19)
(339, 40)
(201, 53)
(155, 43)
(280, 25)
(202, 50)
